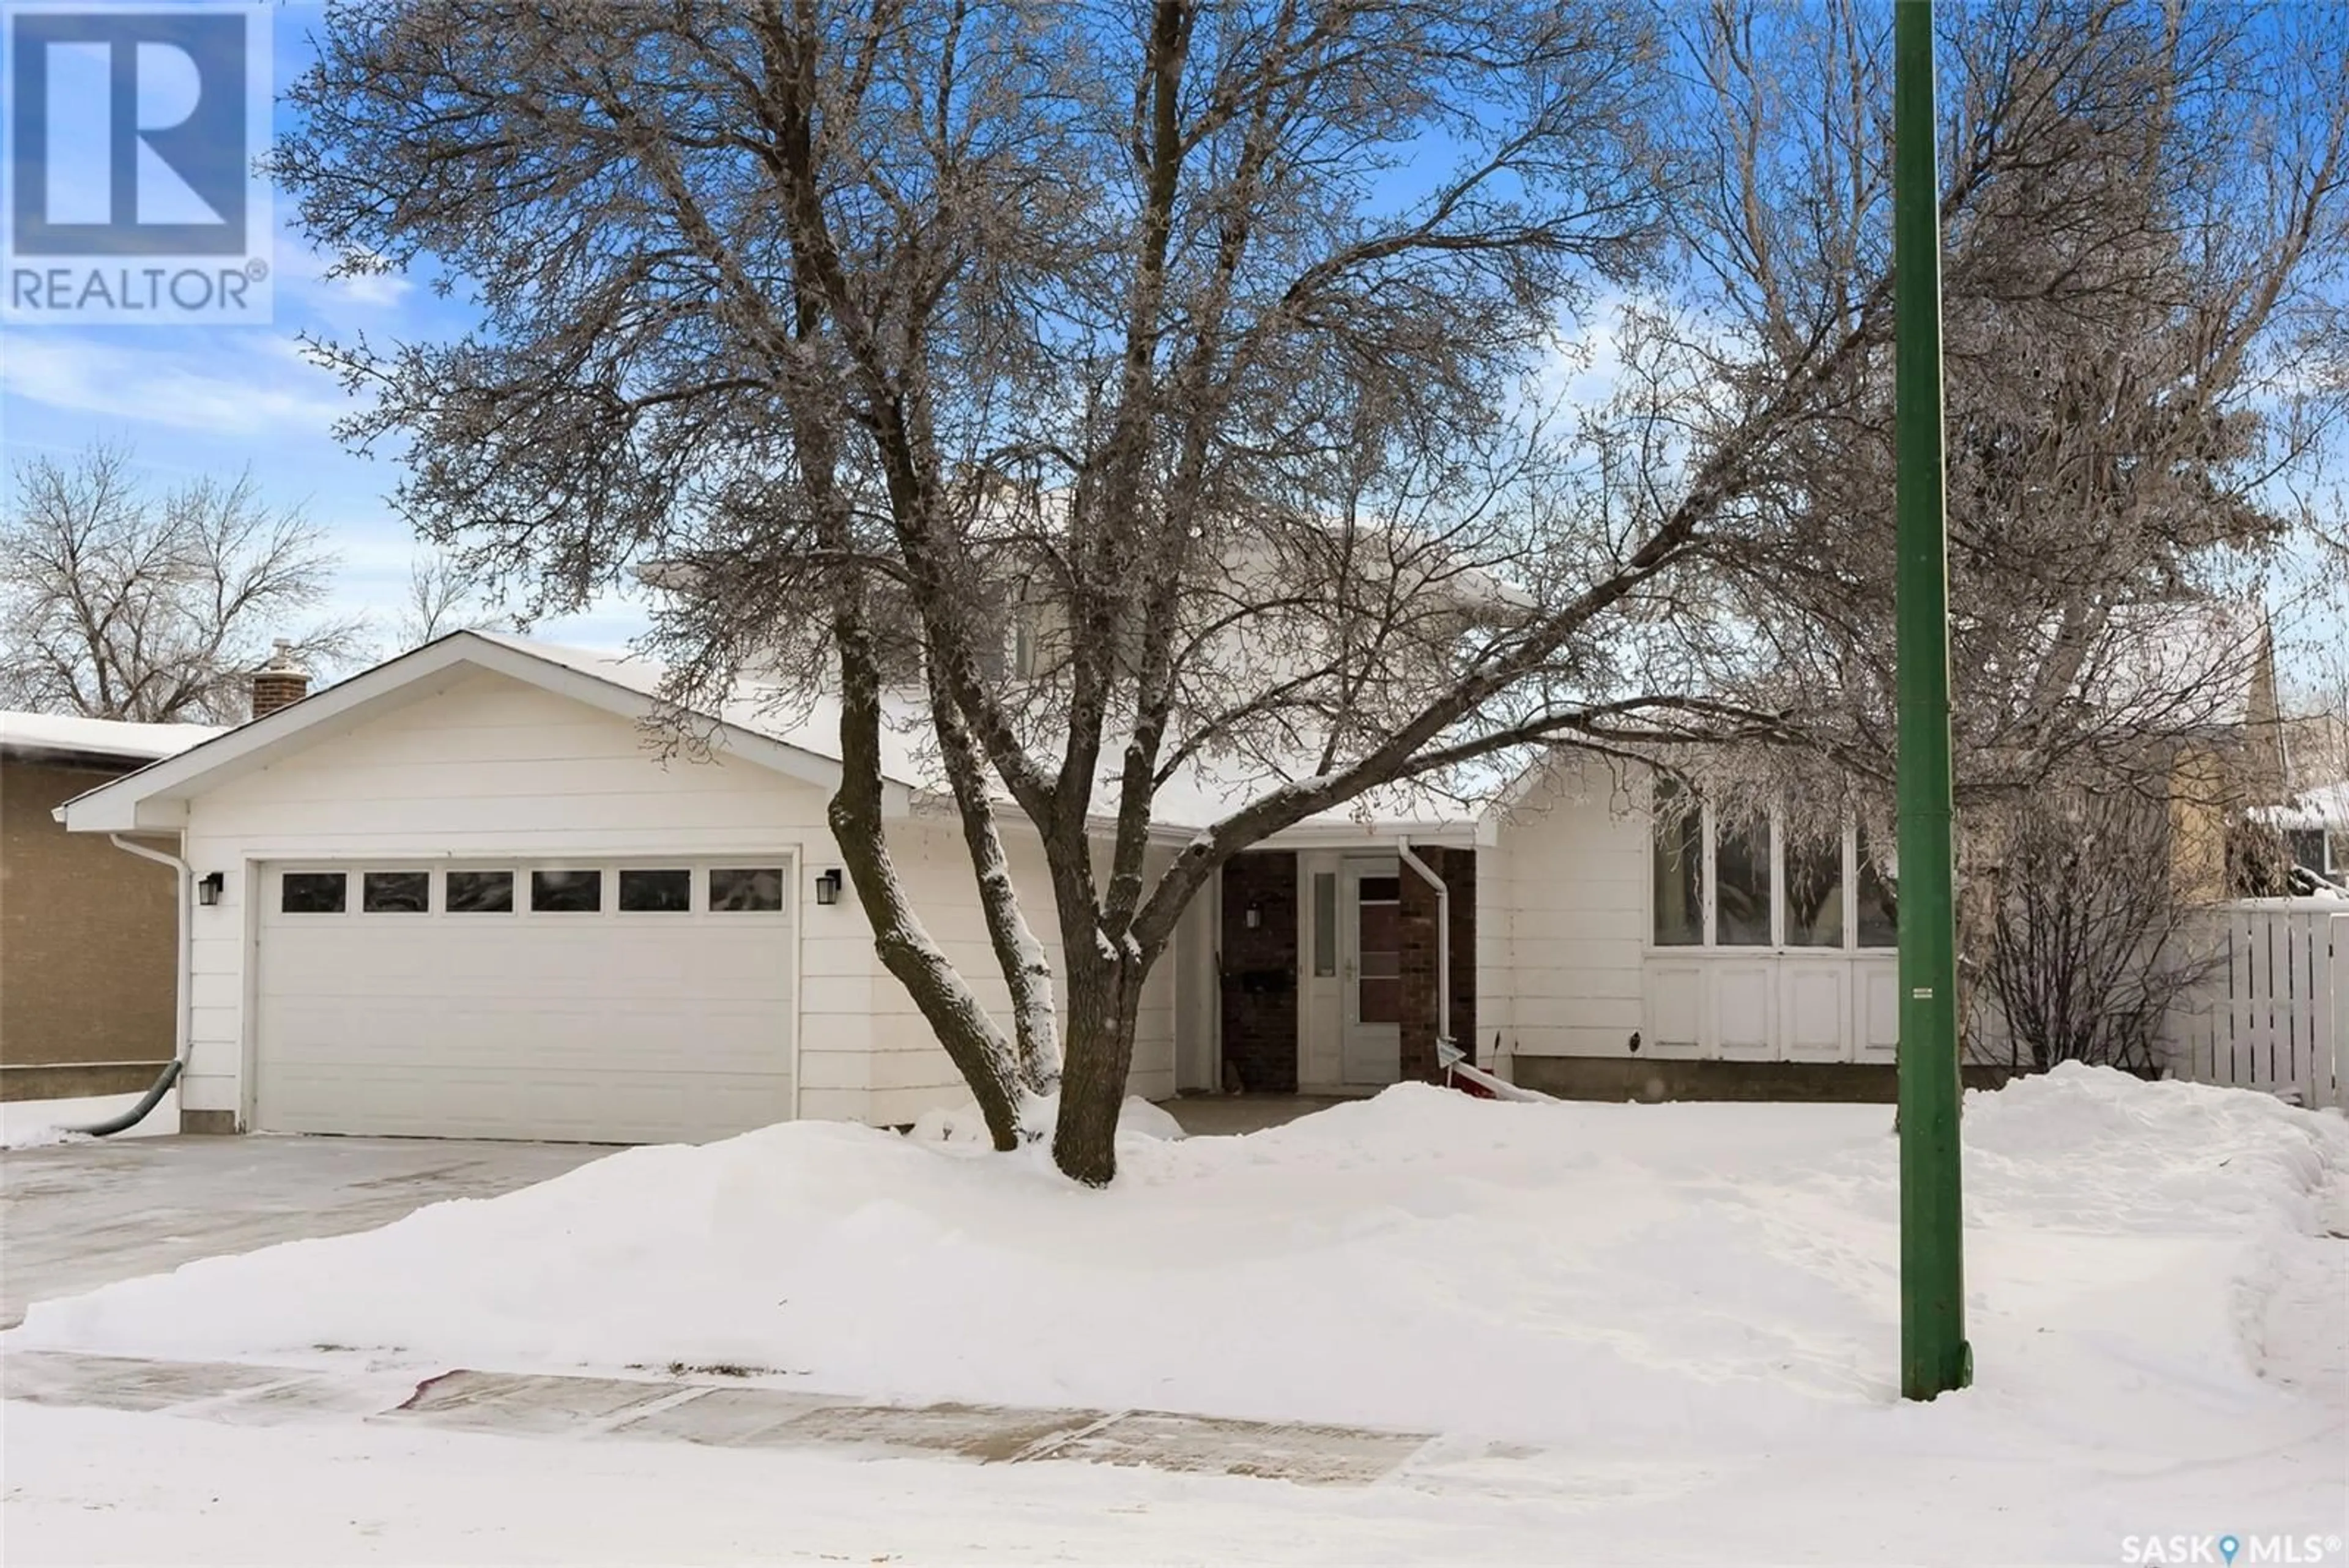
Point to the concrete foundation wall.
(1631, 1078)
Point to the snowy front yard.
(1684, 1316)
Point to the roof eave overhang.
(80, 758)
(1305, 834)
(1343, 835)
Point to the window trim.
(693, 880)
(365, 873)
(285, 874)
(601, 869)
(785, 884)
(513, 873)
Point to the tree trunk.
(1027, 972)
(1104, 1001)
(977, 1048)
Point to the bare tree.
(1206, 343)
(119, 603)
(443, 597)
(2091, 941)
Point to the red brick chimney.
(279, 682)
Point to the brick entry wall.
(1458, 869)
(88, 947)
(1260, 971)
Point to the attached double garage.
(640, 1001)
(469, 894)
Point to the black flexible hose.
(135, 1114)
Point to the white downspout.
(1444, 1046)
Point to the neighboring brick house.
(88, 933)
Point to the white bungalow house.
(459, 895)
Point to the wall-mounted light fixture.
(208, 889)
(827, 886)
(1255, 917)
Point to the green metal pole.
(1934, 1355)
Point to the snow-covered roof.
(754, 707)
(71, 733)
(2184, 665)
(766, 724)
(2323, 805)
(1200, 793)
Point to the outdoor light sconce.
(1255, 917)
(208, 889)
(827, 888)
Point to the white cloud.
(301, 271)
(1584, 361)
(239, 384)
(382, 288)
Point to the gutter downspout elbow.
(179, 1061)
(1447, 1051)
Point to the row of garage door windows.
(732, 889)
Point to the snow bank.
(2168, 1158)
(1571, 1273)
(1137, 1117)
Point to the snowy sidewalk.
(715, 1415)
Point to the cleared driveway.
(74, 1216)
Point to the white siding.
(1497, 972)
(1153, 1074)
(1198, 990)
(1561, 913)
(485, 764)
(910, 1072)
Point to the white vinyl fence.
(2273, 1011)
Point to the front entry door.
(1369, 931)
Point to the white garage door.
(636, 1001)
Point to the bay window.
(1724, 882)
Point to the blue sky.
(193, 399)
